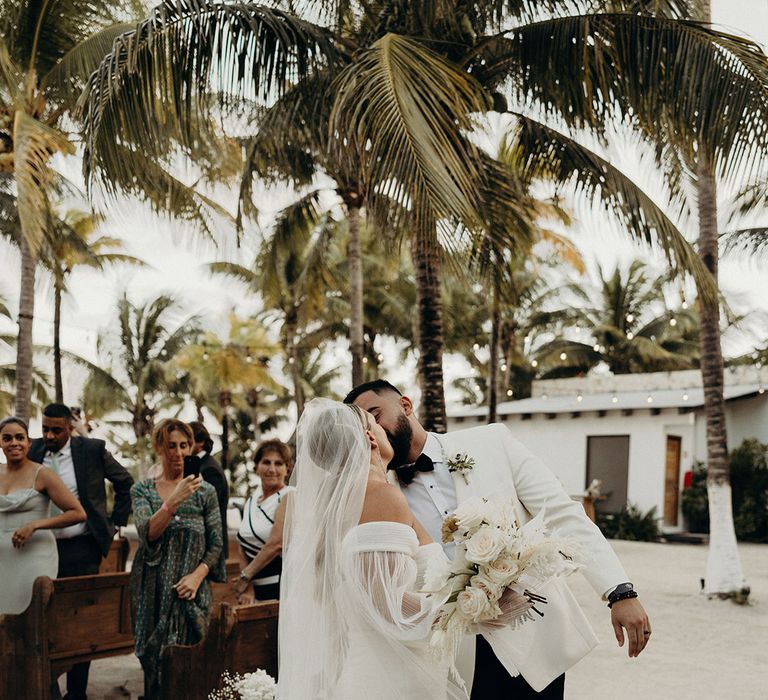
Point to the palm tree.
(136, 380)
(220, 370)
(76, 243)
(292, 276)
(46, 53)
(629, 324)
(402, 80)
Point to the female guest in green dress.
(180, 539)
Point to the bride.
(353, 623)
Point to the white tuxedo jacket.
(543, 649)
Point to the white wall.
(561, 443)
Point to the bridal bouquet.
(493, 554)
(251, 686)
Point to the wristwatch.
(621, 592)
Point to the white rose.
(485, 545)
(502, 571)
(471, 513)
(473, 604)
(487, 585)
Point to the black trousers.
(492, 682)
(78, 556)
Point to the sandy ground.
(700, 649)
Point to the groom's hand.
(630, 615)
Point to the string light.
(579, 397)
(649, 399)
(630, 335)
(534, 363)
(614, 399)
(563, 355)
(596, 347)
(503, 368)
(476, 346)
(685, 396)
(630, 318)
(206, 356)
(509, 392)
(673, 322)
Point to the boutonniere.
(461, 463)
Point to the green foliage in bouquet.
(630, 523)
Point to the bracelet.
(622, 596)
(244, 576)
(167, 509)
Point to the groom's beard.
(400, 439)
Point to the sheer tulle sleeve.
(383, 574)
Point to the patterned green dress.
(160, 617)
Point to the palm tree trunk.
(59, 385)
(493, 367)
(355, 259)
(252, 399)
(293, 361)
(429, 304)
(225, 399)
(24, 347)
(724, 576)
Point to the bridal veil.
(352, 621)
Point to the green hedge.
(630, 523)
(749, 483)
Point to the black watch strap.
(619, 591)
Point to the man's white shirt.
(432, 495)
(65, 468)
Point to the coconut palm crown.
(400, 84)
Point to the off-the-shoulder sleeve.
(381, 581)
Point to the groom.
(540, 651)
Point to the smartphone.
(191, 465)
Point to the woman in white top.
(353, 623)
(261, 531)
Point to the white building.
(638, 433)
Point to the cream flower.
(470, 513)
(485, 545)
(502, 571)
(474, 605)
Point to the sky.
(176, 264)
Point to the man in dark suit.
(212, 472)
(83, 464)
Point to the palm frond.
(406, 106)
(567, 161)
(157, 79)
(34, 144)
(69, 75)
(751, 241)
(681, 81)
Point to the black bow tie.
(408, 471)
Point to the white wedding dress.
(388, 620)
(353, 622)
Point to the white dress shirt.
(432, 495)
(65, 468)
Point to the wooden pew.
(240, 639)
(70, 620)
(116, 558)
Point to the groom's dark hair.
(377, 386)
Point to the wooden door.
(672, 480)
